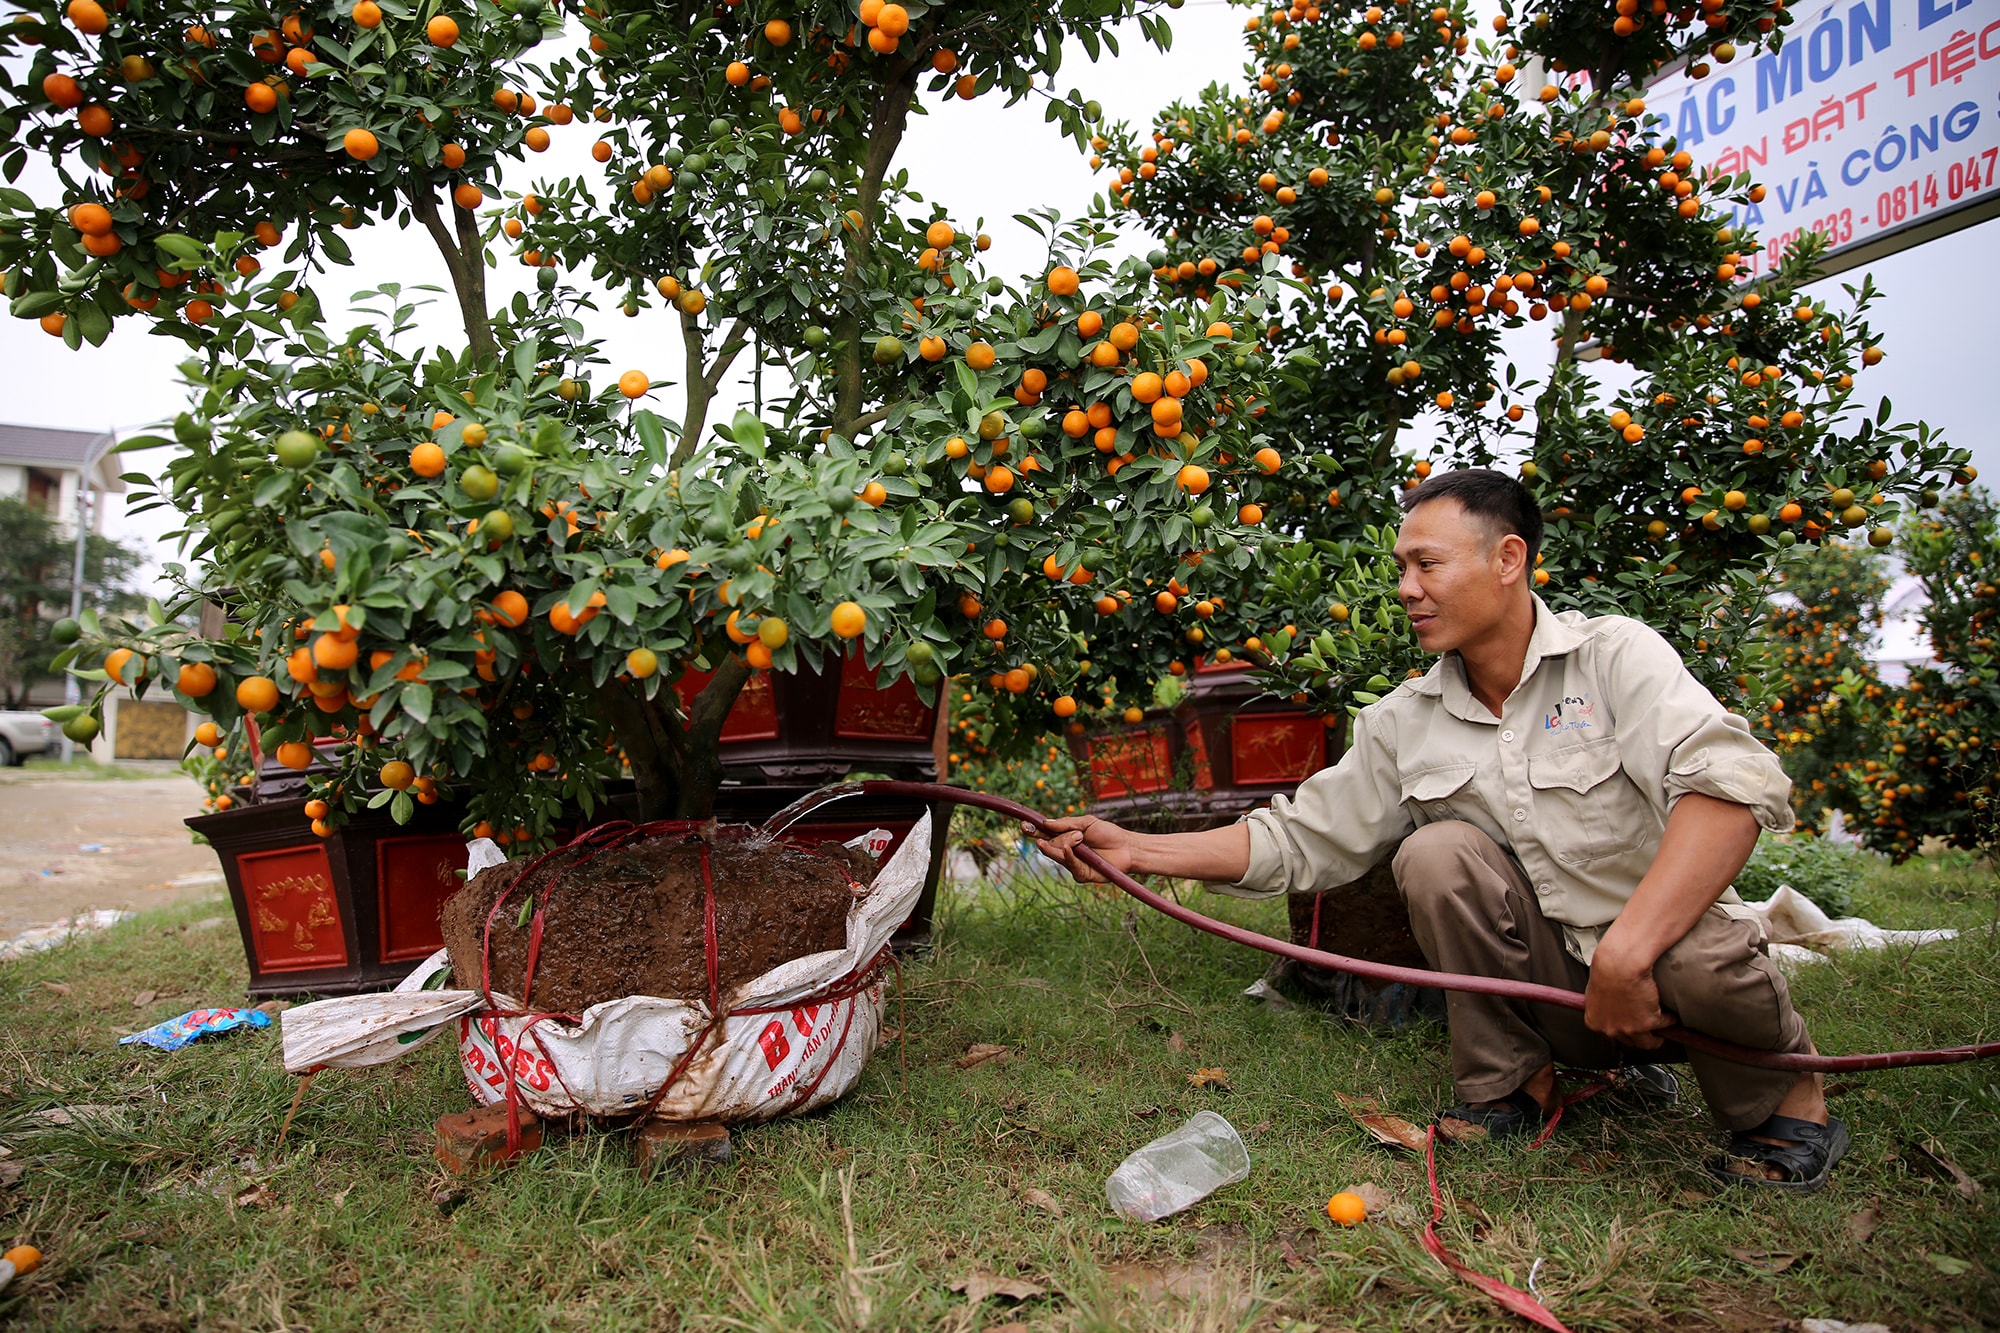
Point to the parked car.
(23, 734)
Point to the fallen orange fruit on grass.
(1347, 1208)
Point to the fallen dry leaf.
(144, 998)
(1394, 1131)
(1378, 1199)
(1041, 1199)
(1176, 1043)
(1863, 1223)
(252, 1196)
(274, 1007)
(1390, 1129)
(1769, 1261)
(1210, 1078)
(10, 1174)
(1291, 1256)
(57, 987)
(980, 1053)
(1145, 1113)
(1839, 1326)
(1931, 1155)
(978, 1285)
(1459, 1131)
(1260, 1127)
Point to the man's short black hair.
(1495, 498)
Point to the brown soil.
(630, 921)
(1364, 919)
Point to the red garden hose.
(1408, 976)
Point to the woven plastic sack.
(794, 1038)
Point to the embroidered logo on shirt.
(1574, 713)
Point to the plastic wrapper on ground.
(175, 1033)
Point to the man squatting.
(1572, 808)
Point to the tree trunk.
(676, 760)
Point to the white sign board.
(1877, 124)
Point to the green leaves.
(33, 305)
(183, 248)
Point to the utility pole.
(72, 693)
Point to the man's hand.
(1625, 1006)
(1114, 844)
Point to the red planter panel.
(865, 712)
(295, 915)
(1125, 763)
(1204, 775)
(1276, 748)
(413, 877)
(754, 715)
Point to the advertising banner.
(1877, 124)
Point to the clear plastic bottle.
(1178, 1170)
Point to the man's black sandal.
(1645, 1086)
(1807, 1159)
(1514, 1116)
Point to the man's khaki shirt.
(1575, 777)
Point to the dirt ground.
(67, 846)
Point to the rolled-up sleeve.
(1333, 829)
(1675, 738)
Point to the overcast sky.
(987, 162)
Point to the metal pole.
(72, 693)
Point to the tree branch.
(733, 342)
(694, 420)
(468, 275)
(867, 419)
(885, 134)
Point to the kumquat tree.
(1932, 771)
(485, 565)
(1819, 628)
(1417, 192)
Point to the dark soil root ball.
(629, 921)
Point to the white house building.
(1901, 643)
(45, 467)
(67, 473)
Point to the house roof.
(65, 450)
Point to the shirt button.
(1543, 888)
(1520, 815)
(1507, 735)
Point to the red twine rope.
(1512, 1298)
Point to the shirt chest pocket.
(1437, 793)
(1585, 810)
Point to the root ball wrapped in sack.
(632, 920)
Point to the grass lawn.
(175, 1206)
